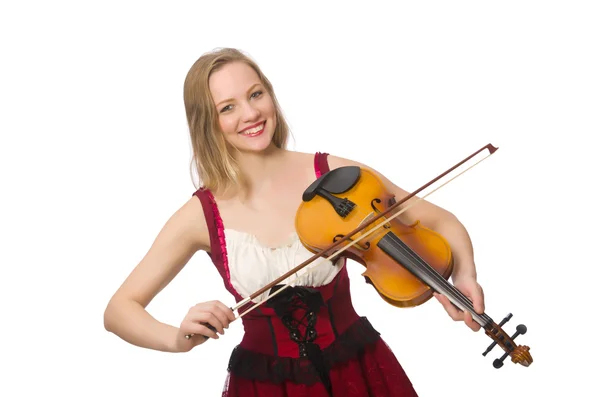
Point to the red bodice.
(305, 340)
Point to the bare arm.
(182, 235)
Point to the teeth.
(253, 130)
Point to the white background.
(95, 158)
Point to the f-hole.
(376, 200)
(363, 247)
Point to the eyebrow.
(231, 99)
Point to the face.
(245, 109)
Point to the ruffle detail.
(247, 364)
(224, 262)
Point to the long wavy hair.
(212, 154)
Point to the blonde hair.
(212, 157)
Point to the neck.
(260, 169)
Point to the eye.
(226, 108)
(256, 94)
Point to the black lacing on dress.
(314, 364)
(303, 302)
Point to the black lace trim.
(251, 365)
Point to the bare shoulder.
(302, 157)
(304, 162)
(337, 162)
(425, 211)
(189, 219)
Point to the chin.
(256, 147)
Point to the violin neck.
(404, 255)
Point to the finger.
(476, 298)
(203, 329)
(452, 311)
(217, 322)
(198, 329)
(470, 322)
(474, 292)
(222, 317)
(224, 314)
(481, 303)
(209, 318)
(228, 312)
(198, 339)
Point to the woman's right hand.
(213, 313)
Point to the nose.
(249, 112)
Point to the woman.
(307, 340)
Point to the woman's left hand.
(469, 286)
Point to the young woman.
(307, 340)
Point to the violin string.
(442, 284)
(356, 241)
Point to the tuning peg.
(521, 330)
(504, 321)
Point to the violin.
(405, 264)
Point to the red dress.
(305, 341)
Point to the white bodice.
(253, 265)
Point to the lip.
(252, 126)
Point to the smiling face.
(246, 112)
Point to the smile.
(254, 130)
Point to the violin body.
(318, 225)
